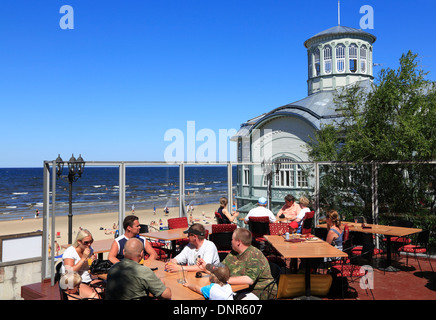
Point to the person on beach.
(224, 213)
(129, 280)
(260, 211)
(198, 247)
(131, 230)
(75, 259)
(290, 210)
(218, 289)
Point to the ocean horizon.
(97, 191)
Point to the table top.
(168, 235)
(99, 246)
(304, 249)
(378, 229)
(179, 291)
(171, 234)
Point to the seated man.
(260, 211)
(128, 280)
(198, 247)
(131, 230)
(247, 264)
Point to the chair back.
(402, 223)
(175, 223)
(218, 218)
(320, 233)
(307, 222)
(223, 228)
(346, 233)
(144, 228)
(278, 228)
(222, 240)
(423, 237)
(259, 226)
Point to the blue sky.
(131, 70)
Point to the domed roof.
(341, 30)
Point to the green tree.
(395, 120)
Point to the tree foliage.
(395, 120)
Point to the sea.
(97, 191)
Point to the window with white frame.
(317, 62)
(301, 178)
(352, 57)
(363, 53)
(246, 175)
(340, 58)
(285, 176)
(327, 59)
(289, 175)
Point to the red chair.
(278, 228)
(216, 228)
(218, 218)
(221, 236)
(306, 224)
(420, 246)
(176, 223)
(259, 226)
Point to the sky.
(117, 79)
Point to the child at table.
(218, 289)
(70, 283)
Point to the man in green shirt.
(128, 280)
(247, 264)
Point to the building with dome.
(336, 58)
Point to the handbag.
(99, 266)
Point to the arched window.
(328, 59)
(363, 59)
(352, 56)
(340, 58)
(317, 62)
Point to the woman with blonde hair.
(224, 213)
(75, 259)
(335, 232)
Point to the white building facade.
(337, 57)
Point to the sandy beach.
(101, 224)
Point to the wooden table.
(171, 235)
(99, 246)
(388, 231)
(305, 250)
(179, 291)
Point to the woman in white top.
(304, 205)
(75, 259)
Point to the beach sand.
(96, 223)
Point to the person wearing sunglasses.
(78, 258)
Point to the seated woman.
(335, 233)
(304, 205)
(75, 259)
(224, 213)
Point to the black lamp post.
(75, 171)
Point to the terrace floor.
(410, 283)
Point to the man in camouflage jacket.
(247, 264)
